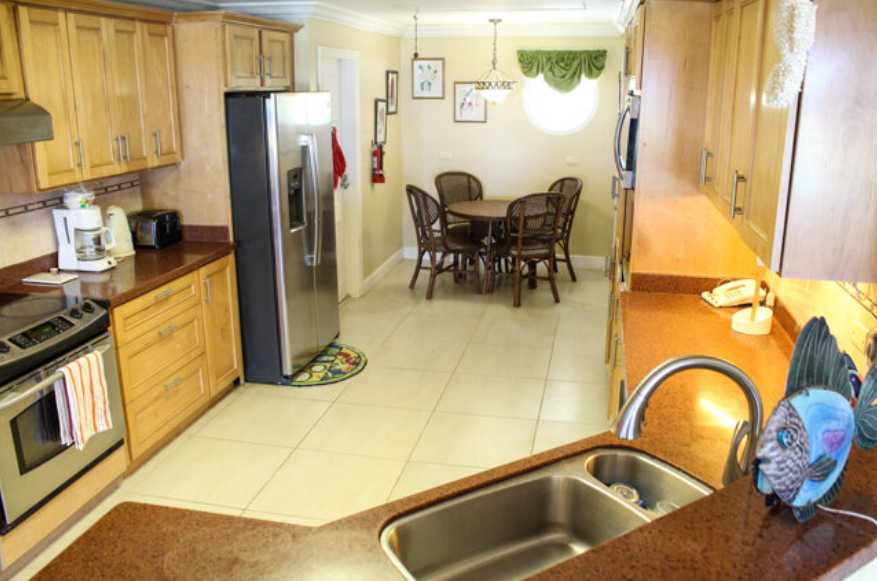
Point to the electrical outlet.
(572, 160)
(445, 156)
(859, 336)
(871, 346)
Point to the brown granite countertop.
(146, 270)
(727, 535)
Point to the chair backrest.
(571, 188)
(532, 221)
(458, 186)
(428, 216)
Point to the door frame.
(351, 200)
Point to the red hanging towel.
(339, 164)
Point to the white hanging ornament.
(794, 32)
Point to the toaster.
(155, 228)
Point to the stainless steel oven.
(38, 335)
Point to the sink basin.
(661, 487)
(525, 524)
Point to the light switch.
(445, 155)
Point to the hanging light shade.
(494, 84)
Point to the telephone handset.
(733, 294)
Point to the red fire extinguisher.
(378, 164)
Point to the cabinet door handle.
(737, 179)
(119, 142)
(261, 65)
(174, 383)
(270, 66)
(626, 61)
(157, 134)
(704, 156)
(165, 294)
(81, 154)
(127, 148)
(209, 297)
(615, 352)
(168, 331)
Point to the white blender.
(83, 241)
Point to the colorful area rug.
(336, 363)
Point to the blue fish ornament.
(802, 453)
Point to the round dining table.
(489, 211)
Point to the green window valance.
(562, 69)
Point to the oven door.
(34, 465)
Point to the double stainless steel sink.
(528, 523)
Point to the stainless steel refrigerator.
(280, 167)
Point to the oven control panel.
(28, 346)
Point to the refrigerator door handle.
(313, 170)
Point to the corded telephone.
(733, 294)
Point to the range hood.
(23, 121)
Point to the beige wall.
(508, 154)
(381, 203)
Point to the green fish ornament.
(802, 453)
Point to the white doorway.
(338, 73)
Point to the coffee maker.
(83, 241)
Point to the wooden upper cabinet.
(277, 58)
(91, 80)
(243, 57)
(49, 82)
(158, 78)
(257, 58)
(714, 104)
(124, 57)
(11, 84)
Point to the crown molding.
(540, 29)
(300, 11)
(293, 11)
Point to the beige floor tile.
(264, 419)
(285, 518)
(214, 411)
(553, 434)
(317, 485)
(213, 472)
(477, 441)
(379, 432)
(422, 353)
(417, 477)
(570, 364)
(566, 401)
(518, 328)
(173, 503)
(317, 393)
(404, 388)
(453, 306)
(437, 328)
(506, 361)
(511, 397)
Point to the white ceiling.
(435, 17)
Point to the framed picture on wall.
(380, 121)
(470, 106)
(428, 78)
(392, 92)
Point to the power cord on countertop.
(849, 513)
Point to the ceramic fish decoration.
(802, 453)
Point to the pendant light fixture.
(494, 84)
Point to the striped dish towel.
(83, 409)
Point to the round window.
(560, 113)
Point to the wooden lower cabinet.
(178, 348)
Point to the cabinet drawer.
(148, 356)
(151, 310)
(166, 403)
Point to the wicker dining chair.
(531, 235)
(459, 186)
(437, 242)
(571, 188)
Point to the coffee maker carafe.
(83, 240)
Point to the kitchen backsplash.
(849, 314)
(26, 227)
